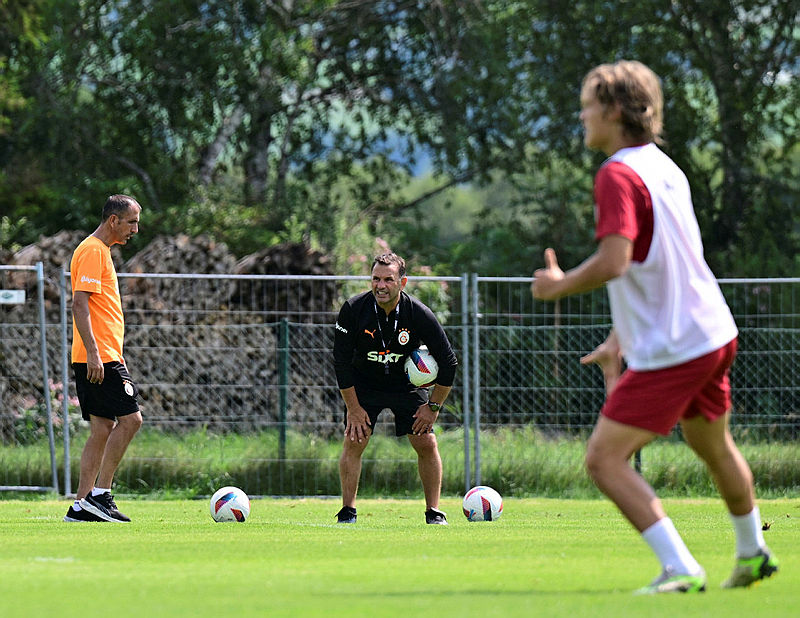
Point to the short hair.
(118, 205)
(637, 90)
(387, 259)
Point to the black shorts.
(403, 404)
(114, 396)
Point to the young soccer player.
(671, 325)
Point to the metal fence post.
(46, 373)
(65, 353)
(465, 372)
(283, 391)
(476, 379)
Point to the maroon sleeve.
(623, 207)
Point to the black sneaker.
(82, 515)
(435, 516)
(104, 507)
(347, 515)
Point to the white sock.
(76, 506)
(749, 538)
(667, 544)
(99, 490)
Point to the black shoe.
(435, 516)
(104, 507)
(347, 515)
(79, 516)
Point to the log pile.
(192, 344)
(182, 254)
(178, 254)
(54, 252)
(303, 301)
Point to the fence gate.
(23, 326)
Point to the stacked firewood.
(300, 301)
(193, 345)
(182, 255)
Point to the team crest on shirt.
(128, 387)
(403, 337)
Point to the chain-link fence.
(529, 372)
(26, 390)
(253, 354)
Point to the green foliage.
(260, 122)
(20, 32)
(519, 462)
(11, 229)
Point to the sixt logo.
(344, 330)
(383, 357)
(85, 279)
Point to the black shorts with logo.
(403, 404)
(114, 396)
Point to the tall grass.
(518, 462)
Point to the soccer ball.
(230, 504)
(421, 367)
(482, 503)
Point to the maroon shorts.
(657, 400)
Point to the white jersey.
(668, 309)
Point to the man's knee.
(593, 460)
(598, 459)
(131, 422)
(100, 427)
(425, 444)
(354, 448)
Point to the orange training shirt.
(92, 270)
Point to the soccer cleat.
(80, 516)
(669, 581)
(347, 515)
(103, 506)
(435, 516)
(750, 570)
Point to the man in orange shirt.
(105, 390)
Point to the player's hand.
(357, 425)
(424, 418)
(545, 282)
(609, 358)
(94, 369)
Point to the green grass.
(543, 558)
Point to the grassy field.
(545, 557)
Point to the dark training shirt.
(364, 347)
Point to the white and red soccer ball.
(482, 503)
(230, 504)
(421, 368)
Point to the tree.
(730, 72)
(20, 28)
(297, 117)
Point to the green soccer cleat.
(750, 570)
(674, 582)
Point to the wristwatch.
(434, 406)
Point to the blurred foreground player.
(670, 323)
